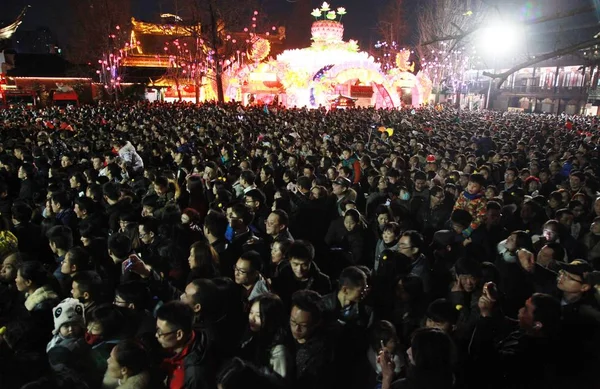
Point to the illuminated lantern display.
(332, 73)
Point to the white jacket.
(131, 157)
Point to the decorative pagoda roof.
(8, 31)
(164, 29)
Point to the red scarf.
(174, 366)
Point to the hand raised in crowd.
(487, 300)
(526, 259)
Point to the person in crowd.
(431, 359)
(299, 272)
(161, 181)
(266, 341)
(313, 350)
(128, 367)
(190, 362)
(248, 275)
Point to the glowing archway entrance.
(351, 80)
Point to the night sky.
(359, 23)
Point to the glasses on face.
(237, 270)
(119, 303)
(404, 246)
(562, 273)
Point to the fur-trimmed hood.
(39, 296)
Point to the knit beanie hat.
(69, 310)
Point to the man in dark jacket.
(191, 364)
(313, 350)
(28, 185)
(300, 272)
(528, 357)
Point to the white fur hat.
(69, 310)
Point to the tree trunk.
(215, 46)
(197, 89)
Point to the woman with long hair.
(203, 261)
(266, 340)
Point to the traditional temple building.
(157, 55)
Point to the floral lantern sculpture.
(332, 68)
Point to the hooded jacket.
(131, 157)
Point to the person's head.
(31, 276)
(550, 254)
(410, 288)
(493, 213)
(410, 244)
(247, 178)
(238, 216)
(60, 238)
(247, 268)
(572, 278)
(8, 270)
(565, 217)
(510, 175)
(277, 222)
(26, 171)
(384, 333)
(266, 173)
(460, 220)
(301, 255)
(105, 323)
(127, 359)
(215, 225)
(119, 247)
(306, 315)
(202, 295)
(132, 295)
(518, 240)
(352, 219)
(69, 318)
(383, 215)
(391, 233)
(279, 249)
(267, 316)
(442, 314)
(576, 179)
(202, 254)
(420, 180)
(59, 201)
(86, 286)
(254, 199)
(340, 185)
(431, 350)
(84, 206)
(540, 315)
(174, 323)
(352, 286)
(75, 260)
(550, 230)
(475, 184)
(468, 273)
(148, 229)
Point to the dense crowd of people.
(180, 246)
